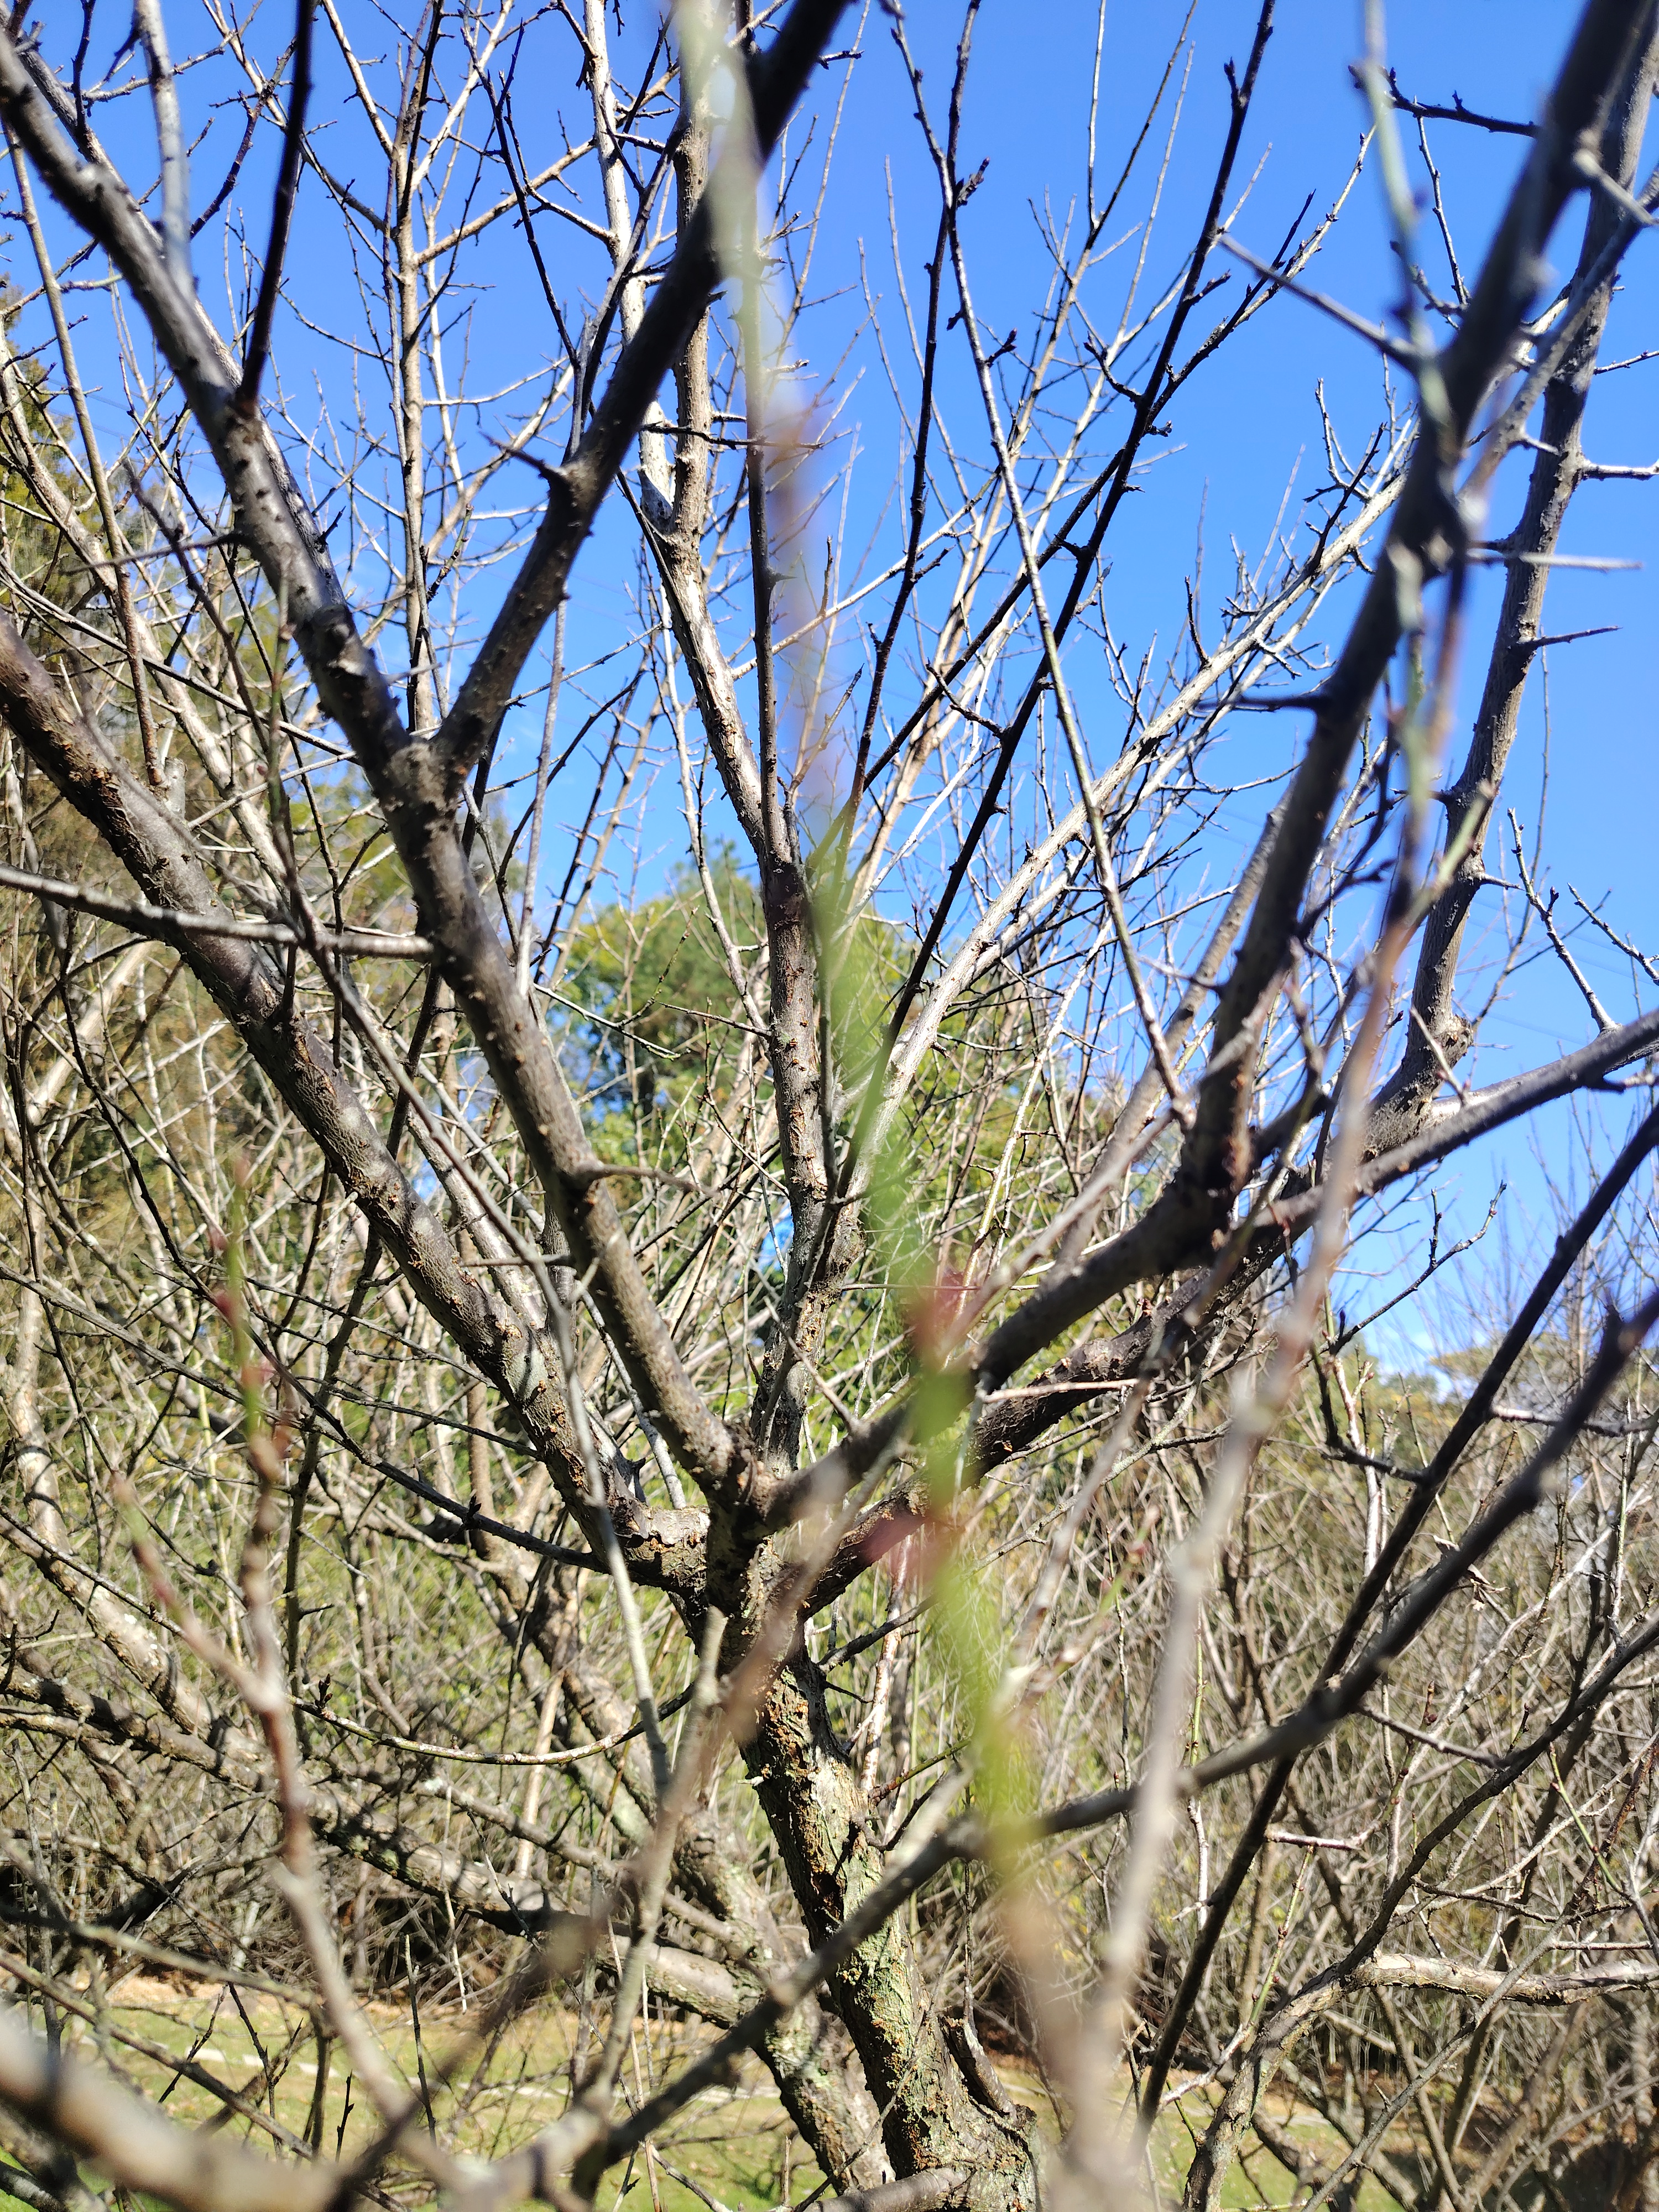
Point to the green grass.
(1258, 2179)
(735, 2143)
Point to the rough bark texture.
(826, 1828)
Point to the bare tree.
(677, 1226)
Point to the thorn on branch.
(1564, 637)
(551, 474)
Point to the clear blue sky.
(1240, 428)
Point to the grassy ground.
(735, 2143)
(732, 2147)
(1259, 2179)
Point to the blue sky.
(1243, 429)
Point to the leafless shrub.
(675, 1367)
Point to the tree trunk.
(821, 1817)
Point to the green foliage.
(654, 1016)
(345, 853)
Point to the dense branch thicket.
(700, 1494)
